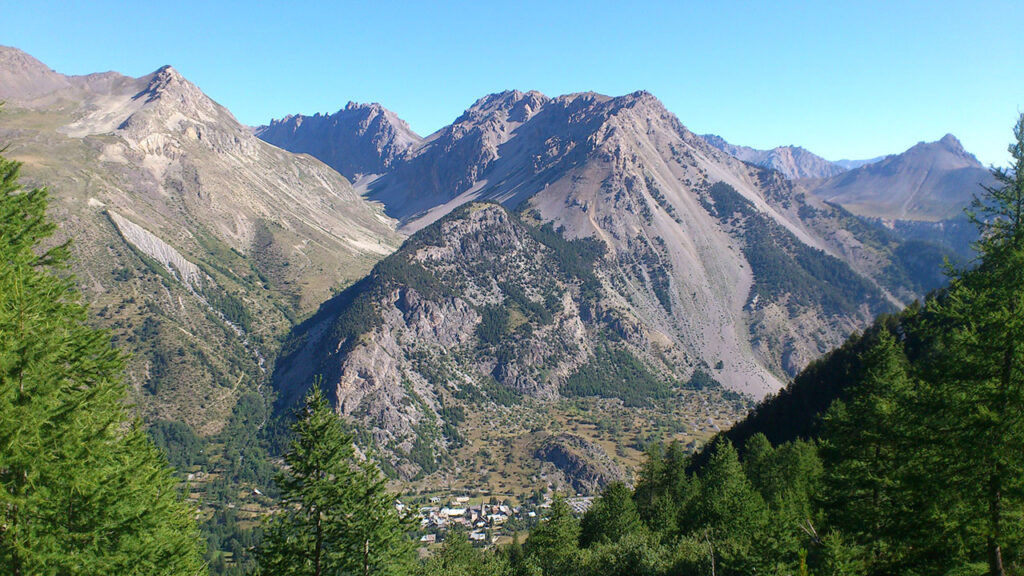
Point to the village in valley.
(485, 524)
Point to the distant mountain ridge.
(793, 162)
(851, 164)
(931, 181)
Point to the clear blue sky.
(845, 81)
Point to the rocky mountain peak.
(947, 153)
(640, 98)
(361, 106)
(952, 145)
(950, 141)
(510, 105)
(356, 140)
(167, 82)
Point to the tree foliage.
(82, 490)
(976, 370)
(336, 516)
(900, 453)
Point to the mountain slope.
(697, 269)
(930, 181)
(714, 286)
(792, 161)
(195, 242)
(485, 319)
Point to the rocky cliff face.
(357, 140)
(194, 241)
(931, 181)
(585, 465)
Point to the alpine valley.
(526, 298)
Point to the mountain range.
(792, 161)
(931, 181)
(194, 241)
(711, 268)
(568, 262)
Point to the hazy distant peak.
(357, 139)
(793, 162)
(946, 152)
(950, 140)
(930, 181)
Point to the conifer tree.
(664, 488)
(554, 544)
(977, 370)
(82, 490)
(727, 512)
(862, 454)
(376, 542)
(336, 515)
(612, 517)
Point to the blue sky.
(852, 80)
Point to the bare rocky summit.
(359, 139)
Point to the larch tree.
(612, 517)
(554, 543)
(977, 370)
(82, 490)
(862, 447)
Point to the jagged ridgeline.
(484, 306)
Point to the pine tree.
(336, 515)
(664, 488)
(82, 490)
(787, 477)
(377, 542)
(977, 369)
(727, 512)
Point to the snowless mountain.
(195, 241)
